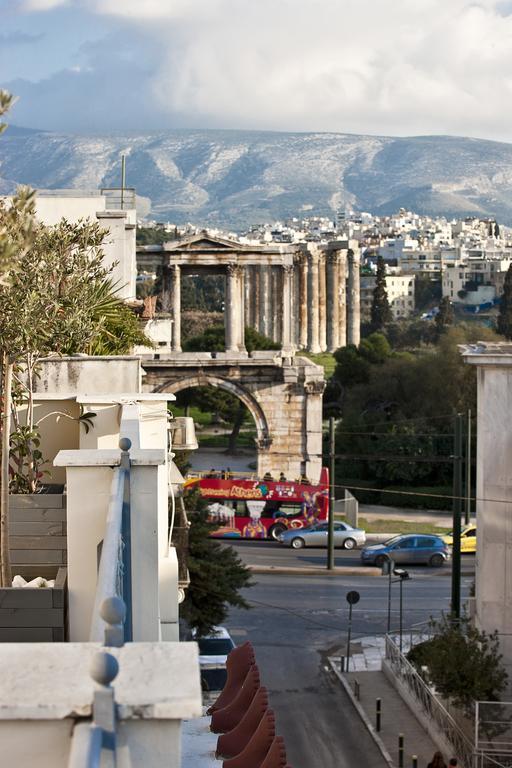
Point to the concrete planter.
(34, 615)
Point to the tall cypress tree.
(380, 311)
(504, 324)
(444, 317)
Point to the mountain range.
(235, 178)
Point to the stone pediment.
(204, 242)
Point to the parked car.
(213, 652)
(467, 539)
(317, 536)
(408, 548)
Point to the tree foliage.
(444, 317)
(216, 573)
(504, 322)
(213, 340)
(381, 313)
(463, 662)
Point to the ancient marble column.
(286, 335)
(353, 299)
(232, 308)
(264, 291)
(247, 295)
(303, 301)
(333, 307)
(342, 298)
(322, 303)
(176, 308)
(276, 304)
(312, 304)
(253, 292)
(241, 277)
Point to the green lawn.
(398, 526)
(325, 359)
(221, 441)
(204, 419)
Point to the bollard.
(342, 663)
(356, 689)
(414, 761)
(400, 750)
(378, 713)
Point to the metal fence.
(462, 746)
(120, 198)
(96, 743)
(493, 731)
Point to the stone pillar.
(234, 309)
(313, 303)
(333, 306)
(241, 277)
(322, 303)
(303, 301)
(264, 296)
(247, 295)
(353, 299)
(176, 308)
(254, 296)
(287, 273)
(276, 305)
(342, 298)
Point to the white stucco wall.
(90, 375)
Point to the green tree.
(56, 298)
(380, 310)
(444, 317)
(463, 662)
(504, 322)
(216, 573)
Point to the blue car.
(411, 548)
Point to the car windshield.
(214, 646)
(393, 540)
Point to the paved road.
(295, 621)
(273, 553)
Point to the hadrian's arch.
(283, 396)
(250, 402)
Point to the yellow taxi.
(467, 539)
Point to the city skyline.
(408, 68)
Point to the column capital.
(235, 270)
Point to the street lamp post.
(402, 576)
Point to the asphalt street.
(296, 621)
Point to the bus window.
(240, 509)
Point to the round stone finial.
(113, 610)
(125, 443)
(104, 668)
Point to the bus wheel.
(276, 531)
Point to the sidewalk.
(364, 684)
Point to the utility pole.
(330, 534)
(123, 179)
(467, 514)
(457, 508)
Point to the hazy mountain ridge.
(235, 178)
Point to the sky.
(381, 67)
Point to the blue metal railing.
(115, 571)
(111, 624)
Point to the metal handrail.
(86, 744)
(463, 747)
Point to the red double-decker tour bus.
(258, 509)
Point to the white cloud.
(42, 5)
(392, 66)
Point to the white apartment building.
(477, 282)
(400, 290)
(114, 211)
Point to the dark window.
(470, 533)
(213, 646)
(426, 541)
(406, 543)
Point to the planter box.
(37, 534)
(34, 615)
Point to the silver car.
(317, 535)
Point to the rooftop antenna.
(123, 179)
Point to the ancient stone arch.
(283, 395)
(252, 405)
